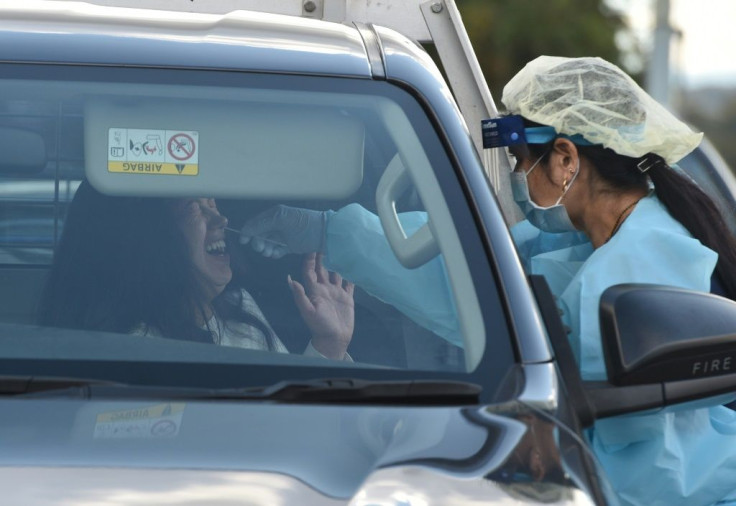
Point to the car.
(258, 110)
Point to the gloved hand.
(281, 230)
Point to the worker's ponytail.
(683, 199)
(697, 212)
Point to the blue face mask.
(548, 219)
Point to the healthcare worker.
(593, 155)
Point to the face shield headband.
(510, 131)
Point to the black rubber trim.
(563, 352)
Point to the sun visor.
(229, 150)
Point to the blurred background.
(683, 52)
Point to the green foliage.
(506, 34)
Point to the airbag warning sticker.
(162, 420)
(139, 151)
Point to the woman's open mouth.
(216, 247)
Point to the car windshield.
(125, 193)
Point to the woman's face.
(204, 230)
(542, 190)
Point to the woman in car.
(604, 206)
(160, 267)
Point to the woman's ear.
(563, 161)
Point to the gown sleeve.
(357, 248)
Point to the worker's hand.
(325, 302)
(281, 230)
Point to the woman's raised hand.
(325, 302)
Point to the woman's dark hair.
(684, 200)
(123, 262)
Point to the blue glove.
(281, 230)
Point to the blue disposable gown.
(683, 456)
(357, 248)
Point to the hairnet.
(594, 98)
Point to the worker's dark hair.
(123, 262)
(682, 198)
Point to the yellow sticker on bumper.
(160, 420)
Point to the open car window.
(364, 151)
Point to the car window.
(194, 141)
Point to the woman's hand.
(326, 305)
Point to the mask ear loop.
(534, 165)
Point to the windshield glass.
(267, 227)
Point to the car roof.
(75, 32)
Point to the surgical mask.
(548, 219)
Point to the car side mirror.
(655, 334)
(662, 346)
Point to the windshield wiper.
(28, 385)
(359, 391)
(328, 390)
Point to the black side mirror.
(654, 334)
(662, 345)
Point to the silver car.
(449, 393)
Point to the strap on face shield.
(509, 131)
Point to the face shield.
(508, 132)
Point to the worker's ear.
(563, 161)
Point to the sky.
(705, 54)
(709, 39)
